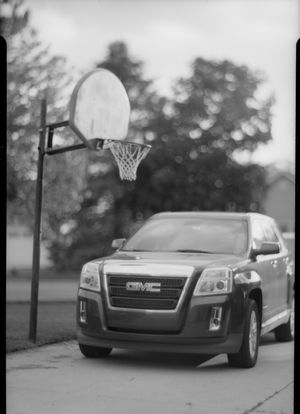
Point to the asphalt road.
(58, 379)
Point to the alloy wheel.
(253, 334)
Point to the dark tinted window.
(204, 234)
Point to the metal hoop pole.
(37, 225)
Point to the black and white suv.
(190, 282)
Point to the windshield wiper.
(135, 250)
(193, 251)
(170, 251)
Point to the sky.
(169, 34)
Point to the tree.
(191, 165)
(218, 106)
(33, 74)
(195, 135)
(215, 113)
(13, 17)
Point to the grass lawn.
(56, 322)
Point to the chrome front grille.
(164, 295)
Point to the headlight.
(214, 281)
(89, 278)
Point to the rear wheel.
(247, 355)
(285, 332)
(94, 352)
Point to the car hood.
(196, 260)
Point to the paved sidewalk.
(18, 290)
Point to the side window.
(258, 234)
(263, 231)
(278, 235)
(270, 233)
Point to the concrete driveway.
(58, 379)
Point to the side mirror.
(118, 243)
(266, 248)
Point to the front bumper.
(146, 330)
(143, 342)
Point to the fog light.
(82, 311)
(215, 318)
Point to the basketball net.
(128, 156)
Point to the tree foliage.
(13, 17)
(195, 134)
(33, 73)
(218, 104)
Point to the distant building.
(19, 246)
(279, 201)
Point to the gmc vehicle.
(198, 282)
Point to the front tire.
(94, 352)
(285, 332)
(247, 355)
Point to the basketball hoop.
(99, 107)
(128, 156)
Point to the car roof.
(209, 214)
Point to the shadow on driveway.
(177, 361)
(156, 360)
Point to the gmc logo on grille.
(143, 287)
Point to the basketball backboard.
(99, 107)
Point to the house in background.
(279, 200)
(19, 247)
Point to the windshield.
(204, 235)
